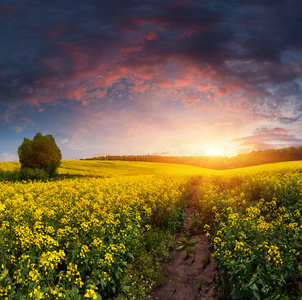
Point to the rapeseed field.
(254, 221)
(80, 238)
(71, 239)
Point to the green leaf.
(255, 291)
(236, 295)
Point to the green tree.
(42, 152)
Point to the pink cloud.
(28, 120)
(85, 103)
(266, 138)
(79, 67)
(281, 130)
(150, 36)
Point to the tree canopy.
(42, 152)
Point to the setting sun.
(214, 151)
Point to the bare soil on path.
(191, 273)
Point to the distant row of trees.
(217, 162)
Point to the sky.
(171, 77)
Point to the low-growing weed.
(186, 241)
(188, 252)
(200, 283)
(206, 260)
(197, 224)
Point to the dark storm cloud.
(57, 49)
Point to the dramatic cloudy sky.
(141, 77)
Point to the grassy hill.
(118, 168)
(130, 168)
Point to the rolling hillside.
(127, 168)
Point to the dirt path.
(191, 273)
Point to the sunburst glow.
(214, 151)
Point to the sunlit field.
(252, 217)
(117, 168)
(121, 168)
(105, 237)
(75, 237)
(126, 168)
(9, 166)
